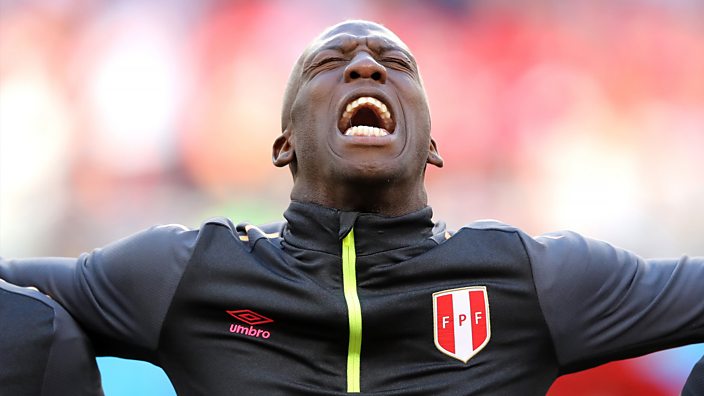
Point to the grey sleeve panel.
(56, 345)
(71, 368)
(120, 293)
(603, 303)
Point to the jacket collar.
(315, 227)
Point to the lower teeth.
(364, 130)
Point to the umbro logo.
(251, 318)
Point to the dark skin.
(377, 174)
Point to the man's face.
(360, 112)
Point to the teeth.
(364, 130)
(379, 107)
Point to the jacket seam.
(540, 304)
(51, 349)
(157, 347)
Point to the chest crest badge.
(462, 326)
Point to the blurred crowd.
(589, 115)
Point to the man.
(358, 290)
(42, 350)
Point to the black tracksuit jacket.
(331, 302)
(43, 352)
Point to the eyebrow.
(386, 46)
(336, 45)
(391, 47)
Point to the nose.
(363, 65)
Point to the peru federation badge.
(462, 326)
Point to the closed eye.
(323, 64)
(326, 61)
(398, 62)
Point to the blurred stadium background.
(588, 115)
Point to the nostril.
(354, 75)
(376, 76)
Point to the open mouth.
(366, 116)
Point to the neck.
(386, 198)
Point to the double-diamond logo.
(251, 318)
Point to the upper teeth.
(363, 130)
(383, 111)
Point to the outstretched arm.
(603, 303)
(120, 293)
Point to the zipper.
(354, 311)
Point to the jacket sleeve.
(42, 350)
(71, 368)
(119, 294)
(602, 303)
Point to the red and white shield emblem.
(461, 317)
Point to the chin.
(373, 174)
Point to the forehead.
(347, 36)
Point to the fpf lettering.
(477, 317)
(445, 321)
(461, 318)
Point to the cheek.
(316, 92)
(300, 110)
(321, 87)
(414, 96)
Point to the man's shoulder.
(490, 224)
(491, 232)
(45, 309)
(29, 296)
(246, 231)
(40, 339)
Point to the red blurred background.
(588, 115)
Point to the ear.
(282, 150)
(433, 155)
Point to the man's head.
(355, 115)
